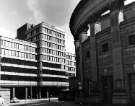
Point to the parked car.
(15, 100)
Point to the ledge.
(87, 10)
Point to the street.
(46, 103)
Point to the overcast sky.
(14, 13)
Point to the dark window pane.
(105, 47)
(131, 39)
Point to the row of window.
(70, 57)
(51, 65)
(33, 32)
(32, 56)
(131, 41)
(71, 63)
(52, 58)
(70, 69)
(52, 72)
(19, 70)
(53, 52)
(7, 52)
(25, 78)
(52, 32)
(17, 46)
(52, 45)
(54, 39)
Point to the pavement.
(33, 101)
(53, 102)
(43, 102)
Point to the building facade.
(104, 58)
(70, 64)
(18, 67)
(34, 64)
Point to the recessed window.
(105, 47)
(88, 54)
(131, 40)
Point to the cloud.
(55, 12)
(6, 33)
(13, 13)
(37, 15)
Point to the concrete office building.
(50, 50)
(18, 67)
(34, 64)
(105, 58)
(70, 64)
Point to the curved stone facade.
(104, 57)
(88, 11)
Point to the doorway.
(107, 89)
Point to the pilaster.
(77, 44)
(119, 93)
(39, 81)
(77, 47)
(82, 37)
(26, 93)
(116, 46)
(13, 92)
(93, 52)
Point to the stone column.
(77, 47)
(13, 92)
(77, 44)
(40, 66)
(116, 45)
(26, 93)
(31, 92)
(119, 94)
(93, 53)
(82, 37)
(47, 94)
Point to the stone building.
(104, 35)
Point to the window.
(3, 51)
(37, 30)
(105, 47)
(12, 53)
(88, 54)
(6, 52)
(22, 55)
(131, 40)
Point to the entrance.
(107, 88)
(132, 87)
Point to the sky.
(15, 13)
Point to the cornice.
(87, 11)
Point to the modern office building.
(34, 64)
(105, 58)
(18, 67)
(70, 64)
